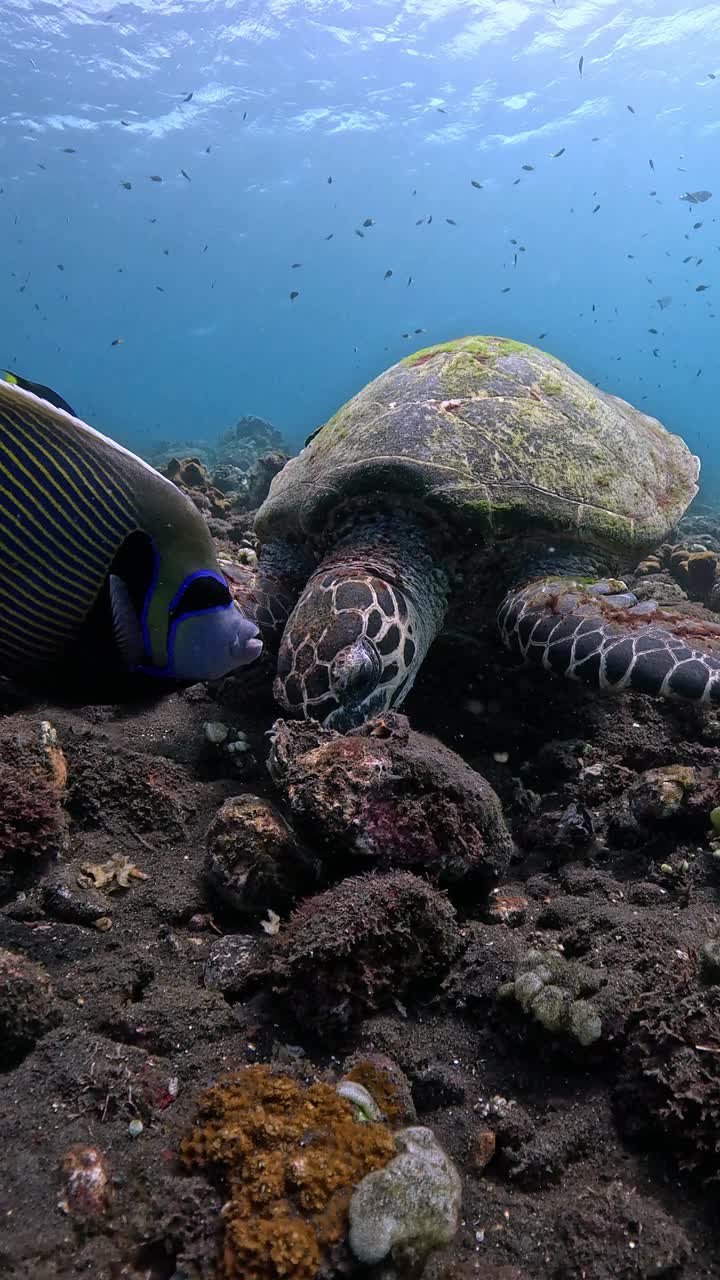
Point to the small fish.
(529, 168)
(127, 186)
(555, 155)
(696, 197)
(688, 259)
(652, 331)
(541, 335)
(712, 75)
(92, 521)
(506, 289)
(631, 109)
(361, 234)
(516, 181)
(580, 64)
(60, 266)
(155, 177)
(332, 233)
(329, 181)
(208, 150)
(700, 288)
(188, 96)
(652, 166)
(387, 275)
(429, 220)
(159, 288)
(186, 175)
(404, 335)
(419, 222)
(597, 206)
(369, 222)
(204, 249)
(294, 294)
(478, 185)
(419, 330)
(125, 124)
(294, 265)
(244, 115)
(696, 226)
(69, 151)
(697, 375)
(452, 222)
(442, 111)
(409, 281)
(656, 353)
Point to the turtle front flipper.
(601, 635)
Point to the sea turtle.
(480, 465)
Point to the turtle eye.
(355, 670)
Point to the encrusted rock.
(409, 1208)
(254, 860)
(86, 1183)
(235, 964)
(358, 947)
(386, 796)
(27, 1006)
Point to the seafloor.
(135, 971)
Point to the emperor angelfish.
(81, 516)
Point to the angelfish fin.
(126, 624)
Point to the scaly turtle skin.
(461, 455)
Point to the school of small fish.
(366, 226)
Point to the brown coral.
(289, 1157)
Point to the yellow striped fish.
(83, 519)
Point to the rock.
(254, 860)
(386, 796)
(659, 793)
(27, 1006)
(236, 963)
(86, 1183)
(358, 947)
(32, 822)
(409, 1208)
(709, 961)
(562, 833)
(261, 475)
(64, 900)
(675, 791)
(661, 588)
(702, 572)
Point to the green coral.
(554, 990)
(410, 1207)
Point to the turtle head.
(351, 648)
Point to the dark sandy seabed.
(594, 1160)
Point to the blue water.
(388, 99)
